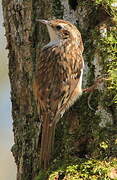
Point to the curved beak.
(52, 33)
(43, 21)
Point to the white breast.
(52, 33)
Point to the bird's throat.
(52, 33)
(52, 44)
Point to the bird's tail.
(47, 142)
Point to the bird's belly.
(76, 93)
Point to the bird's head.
(61, 29)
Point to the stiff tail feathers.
(47, 142)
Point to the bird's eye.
(58, 27)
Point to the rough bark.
(77, 134)
(23, 35)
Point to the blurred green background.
(7, 165)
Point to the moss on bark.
(86, 135)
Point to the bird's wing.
(57, 77)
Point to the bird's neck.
(60, 43)
(53, 43)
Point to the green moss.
(107, 48)
(89, 139)
(105, 143)
(57, 9)
(42, 175)
(88, 169)
(108, 5)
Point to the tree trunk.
(82, 128)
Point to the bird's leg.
(95, 85)
(92, 88)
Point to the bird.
(58, 80)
